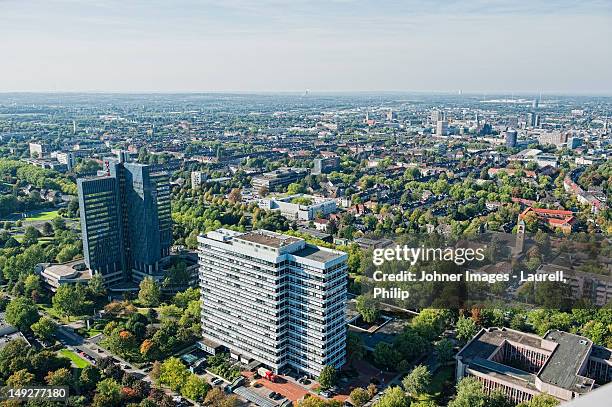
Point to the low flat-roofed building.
(523, 365)
(278, 178)
(8, 332)
(300, 207)
(72, 272)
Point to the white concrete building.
(55, 275)
(300, 207)
(273, 299)
(197, 178)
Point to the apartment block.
(197, 178)
(278, 178)
(325, 165)
(273, 299)
(38, 150)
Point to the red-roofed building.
(554, 218)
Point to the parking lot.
(288, 389)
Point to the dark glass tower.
(126, 223)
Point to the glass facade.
(126, 223)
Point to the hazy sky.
(292, 45)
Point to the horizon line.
(305, 92)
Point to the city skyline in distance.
(273, 46)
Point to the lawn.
(52, 312)
(441, 381)
(76, 359)
(47, 215)
(89, 332)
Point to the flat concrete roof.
(315, 253)
(566, 356)
(266, 238)
(562, 367)
(73, 269)
(486, 342)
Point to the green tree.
(417, 381)
(70, 300)
(354, 347)
(393, 397)
(108, 393)
(44, 329)
(366, 306)
(444, 351)
(424, 403)
(541, 400)
(149, 294)
(173, 374)
(359, 397)
(31, 284)
(59, 377)
(466, 329)
(96, 288)
(385, 355)
(58, 224)
(90, 376)
(195, 388)
(470, 393)
(294, 188)
(47, 229)
(21, 312)
(20, 378)
(328, 377)
(430, 323)
(30, 236)
(410, 344)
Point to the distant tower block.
(520, 238)
(74, 127)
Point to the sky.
(473, 46)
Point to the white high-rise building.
(442, 128)
(197, 178)
(274, 299)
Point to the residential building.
(278, 178)
(511, 137)
(325, 165)
(38, 150)
(557, 139)
(442, 128)
(523, 365)
(197, 178)
(597, 288)
(66, 159)
(125, 221)
(273, 299)
(437, 115)
(554, 218)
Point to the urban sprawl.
(224, 249)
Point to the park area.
(41, 216)
(74, 358)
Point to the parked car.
(326, 393)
